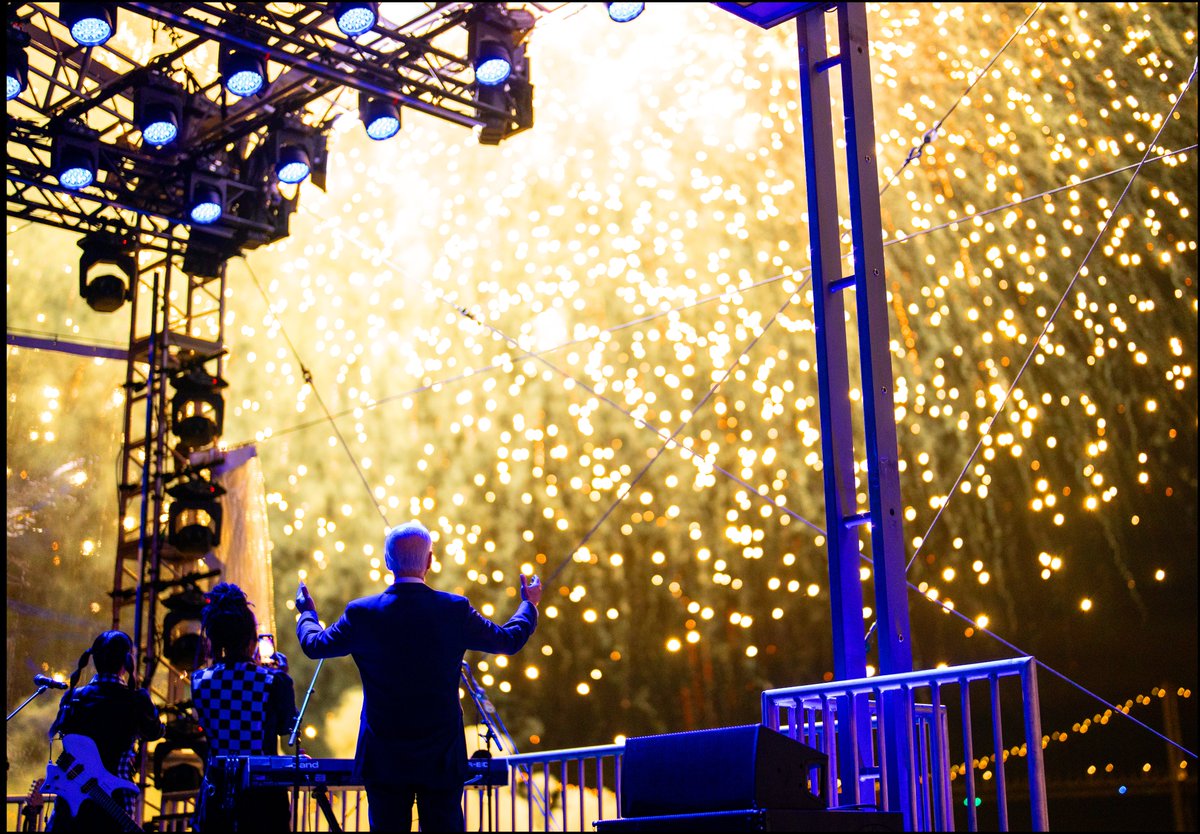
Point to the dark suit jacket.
(408, 643)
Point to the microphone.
(51, 683)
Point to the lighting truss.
(315, 74)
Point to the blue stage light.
(206, 205)
(293, 165)
(244, 72)
(76, 170)
(91, 24)
(493, 64)
(624, 12)
(160, 127)
(355, 18)
(380, 116)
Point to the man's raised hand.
(531, 589)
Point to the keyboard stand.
(322, 796)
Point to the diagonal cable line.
(933, 132)
(966, 218)
(308, 378)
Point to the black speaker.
(726, 769)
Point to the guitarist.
(113, 713)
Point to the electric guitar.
(79, 774)
(33, 806)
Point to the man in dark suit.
(408, 643)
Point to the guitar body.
(79, 774)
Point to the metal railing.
(568, 790)
(943, 742)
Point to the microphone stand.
(319, 793)
(40, 690)
(496, 731)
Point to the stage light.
(207, 205)
(293, 165)
(380, 116)
(197, 409)
(106, 293)
(161, 127)
(624, 12)
(355, 18)
(493, 63)
(243, 72)
(194, 518)
(158, 111)
(205, 199)
(182, 634)
(75, 157)
(16, 63)
(504, 95)
(91, 24)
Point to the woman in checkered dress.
(243, 707)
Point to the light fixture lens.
(76, 177)
(383, 127)
(624, 12)
(244, 82)
(293, 165)
(207, 206)
(91, 31)
(293, 172)
(206, 212)
(162, 130)
(355, 18)
(493, 71)
(14, 87)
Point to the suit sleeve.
(485, 636)
(317, 643)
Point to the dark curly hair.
(229, 625)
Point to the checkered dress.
(233, 704)
(243, 709)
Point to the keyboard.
(281, 771)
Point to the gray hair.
(406, 548)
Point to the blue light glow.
(206, 212)
(76, 177)
(159, 133)
(356, 20)
(493, 71)
(14, 88)
(625, 12)
(384, 127)
(292, 172)
(91, 31)
(244, 83)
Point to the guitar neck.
(112, 808)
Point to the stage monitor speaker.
(725, 769)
